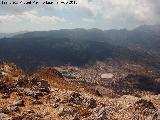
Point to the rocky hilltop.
(105, 91)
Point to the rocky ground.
(105, 91)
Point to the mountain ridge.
(81, 46)
(146, 36)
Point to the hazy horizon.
(123, 28)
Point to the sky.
(102, 14)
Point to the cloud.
(29, 22)
(155, 5)
(7, 18)
(22, 8)
(88, 7)
(41, 19)
(117, 13)
(16, 9)
(88, 20)
(140, 10)
(31, 18)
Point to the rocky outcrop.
(46, 95)
(75, 98)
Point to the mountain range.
(81, 46)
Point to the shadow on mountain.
(135, 85)
(32, 53)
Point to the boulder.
(22, 82)
(8, 110)
(144, 108)
(144, 104)
(17, 117)
(63, 112)
(4, 116)
(5, 110)
(75, 98)
(156, 116)
(14, 109)
(75, 117)
(43, 85)
(19, 103)
(34, 94)
(2, 85)
(55, 105)
(5, 96)
(102, 114)
(91, 103)
(6, 88)
(37, 102)
(98, 93)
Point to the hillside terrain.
(71, 93)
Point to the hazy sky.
(103, 14)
